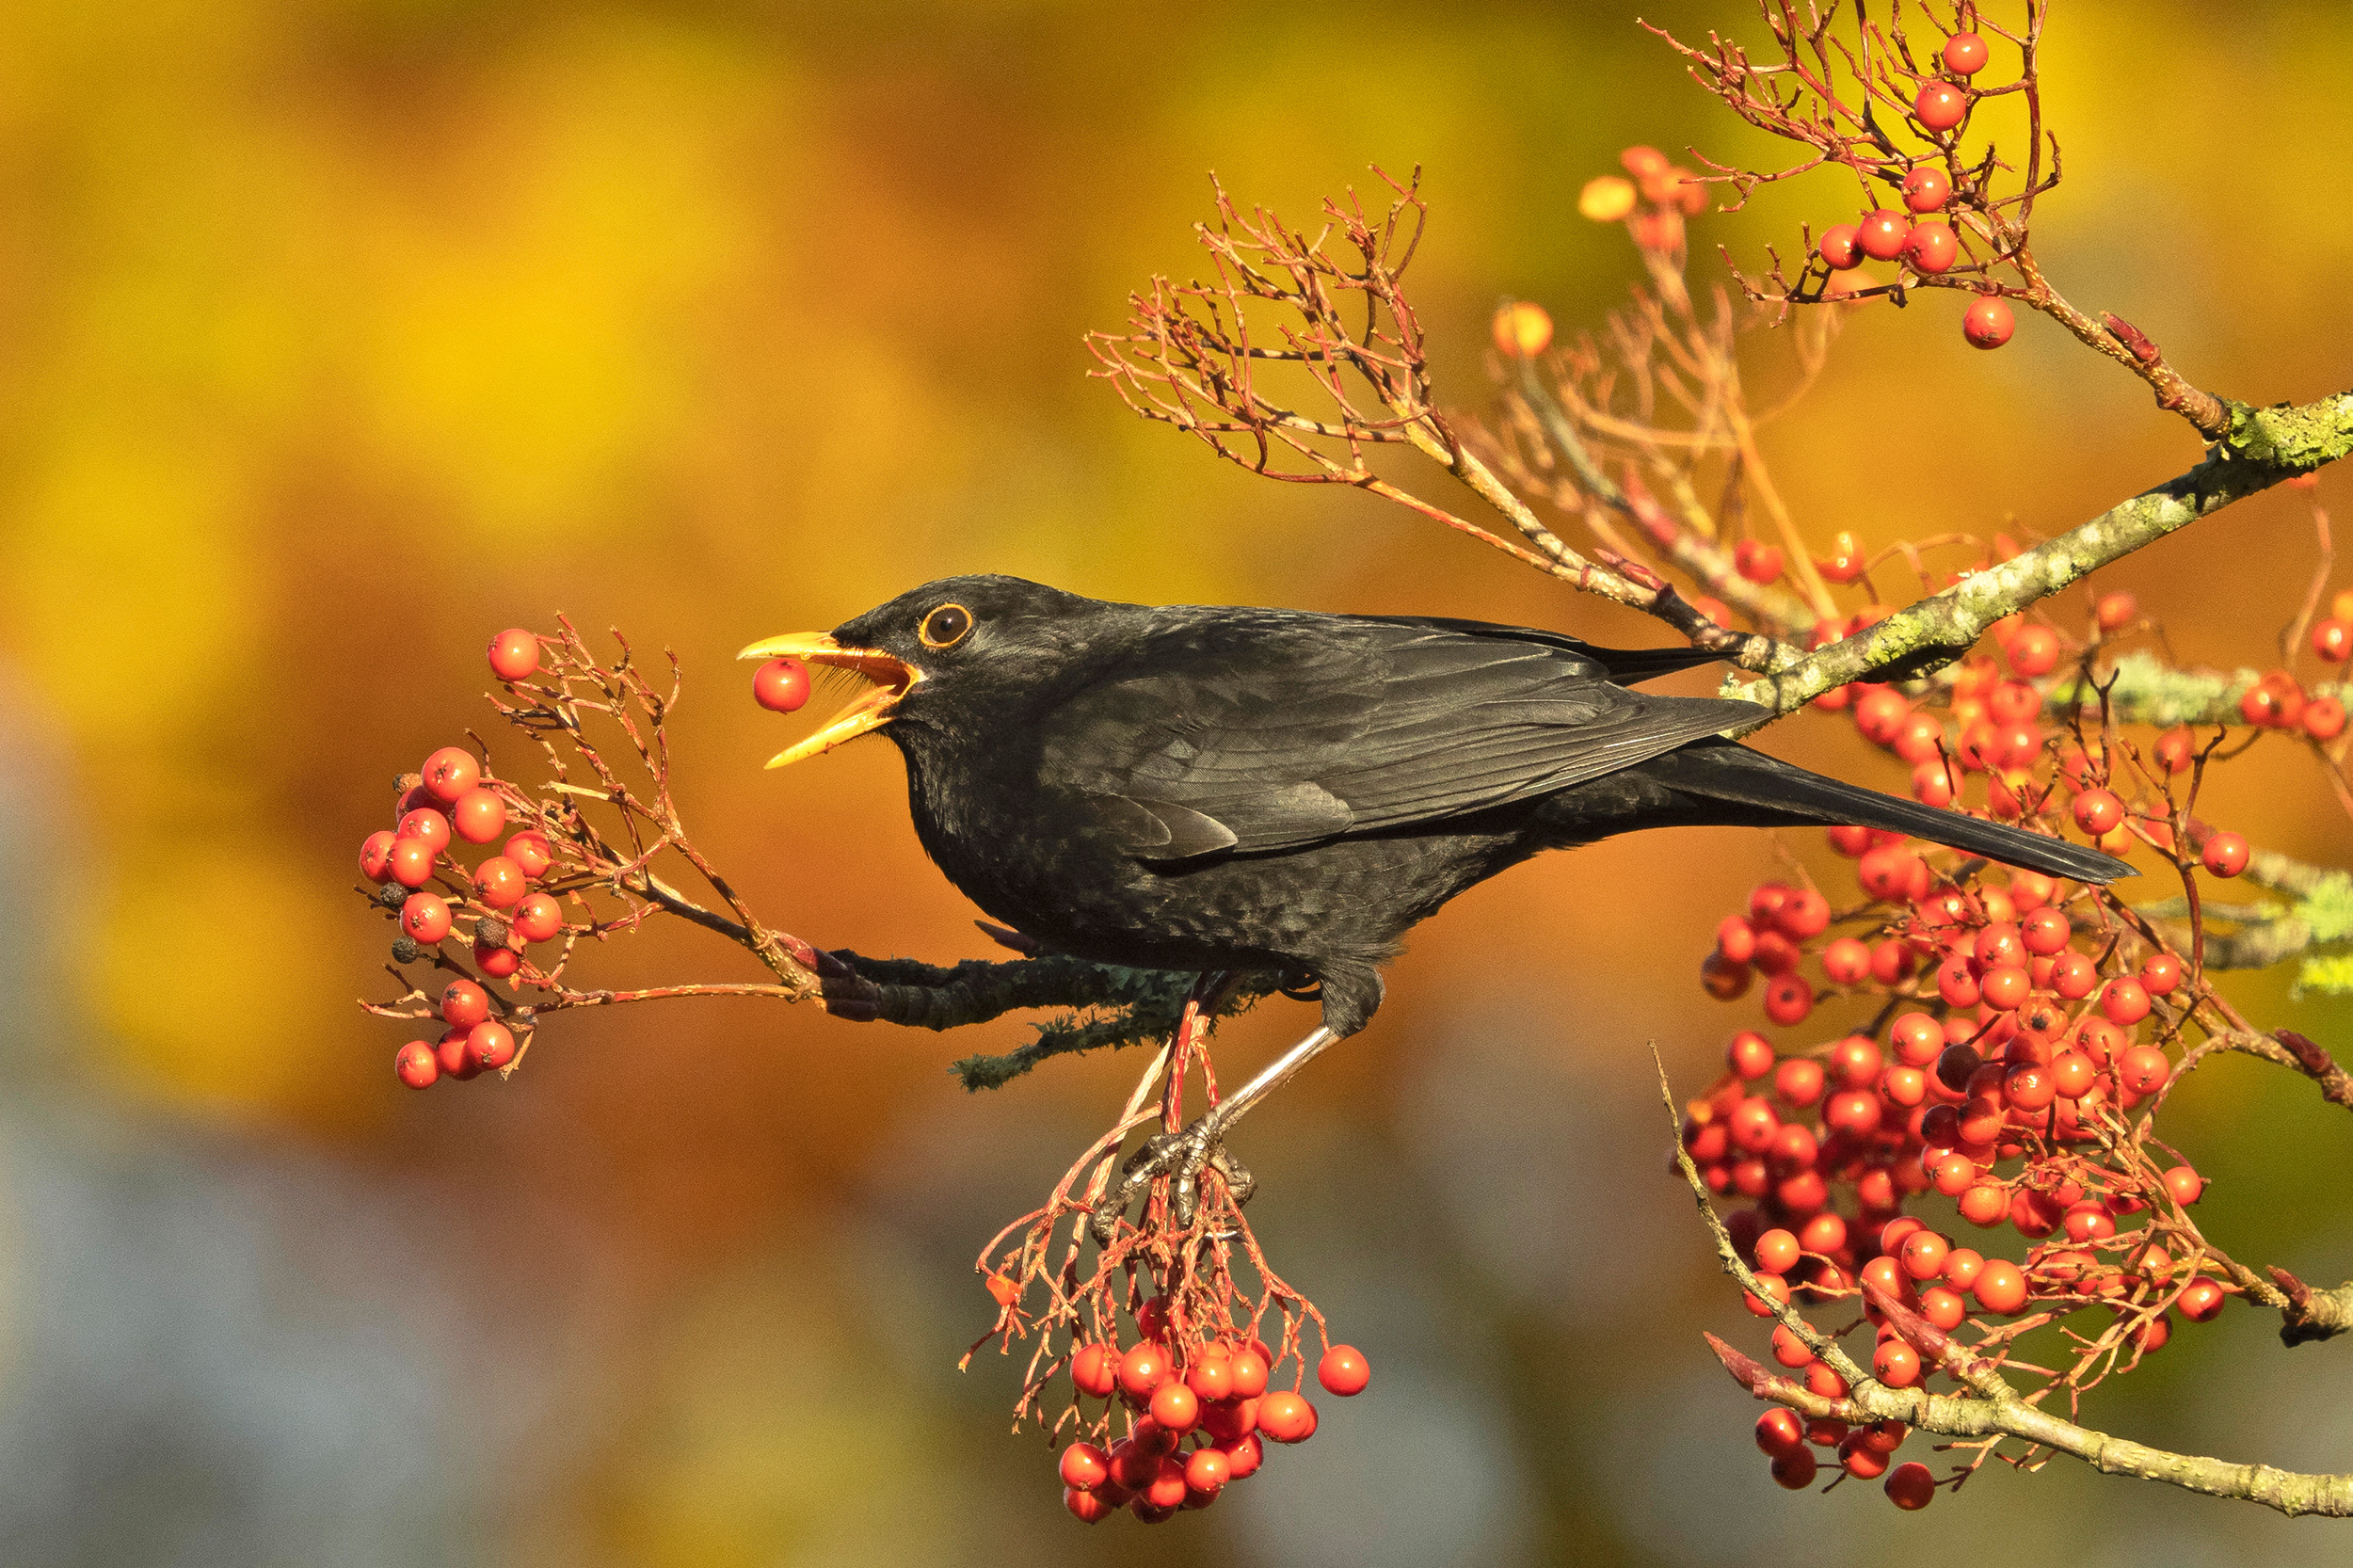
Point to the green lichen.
(2329, 909)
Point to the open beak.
(892, 678)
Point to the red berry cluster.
(497, 906)
(1196, 1409)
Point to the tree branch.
(2262, 447)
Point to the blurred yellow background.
(336, 336)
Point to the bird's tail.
(1782, 793)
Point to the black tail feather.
(1785, 794)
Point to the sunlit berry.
(478, 815)
(1881, 233)
(491, 1044)
(1839, 248)
(1927, 189)
(537, 917)
(530, 851)
(427, 826)
(1523, 329)
(1144, 1369)
(1987, 323)
(1175, 1407)
(2201, 1301)
(1286, 1418)
(780, 685)
(1940, 105)
(499, 883)
(514, 654)
(375, 856)
(1085, 1466)
(1094, 1369)
(450, 773)
(464, 1004)
(2098, 812)
(1931, 248)
(417, 1065)
(2115, 611)
(1343, 1371)
(2142, 1070)
(2225, 854)
(425, 917)
(1966, 54)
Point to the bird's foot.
(1182, 1156)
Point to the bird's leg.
(1184, 1153)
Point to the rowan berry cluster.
(1195, 1413)
(2025, 1033)
(491, 934)
(1158, 1324)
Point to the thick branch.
(2264, 447)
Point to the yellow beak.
(892, 678)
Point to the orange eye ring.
(946, 627)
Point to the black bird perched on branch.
(1209, 788)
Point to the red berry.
(490, 1044)
(1788, 999)
(1523, 329)
(464, 1004)
(1175, 1407)
(416, 1064)
(1094, 1369)
(375, 856)
(1085, 1506)
(2097, 812)
(450, 1051)
(1343, 1371)
(2160, 973)
(2323, 718)
(1985, 1205)
(1777, 1252)
(450, 773)
(514, 654)
(1839, 248)
(2185, 1185)
(427, 826)
(2201, 1301)
(537, 917)
(1166, 1489)
(1779, 1432)
(1964, 54)
(499, 883)
(1750, 1055)
(1799, 1081)
(1849, 840)
(1881, 233)
(2144, 1070)
(2125, 1002)
(781, 685)
(1244, 1453)
(2333, 639)
(1847, 961)
(1931, 248)
(2033, 651)
(2000, 1287)
(1987, 323)
(478, 815)
(1287, 1419)
(1144, 1369)
(1796, 1469)
(1211, 1378)
(1249, 1372)
(530, 851)
(1878, 716)
(1207, 1470)
(1923, 1254)
(2115, 611)
(1909, 1486)
(2225, 856)
(1085, 1466)
(1758, 563)
(1927, 189)
(1897, 1363)
(497, 962)
(1940, 105)
(425, 917)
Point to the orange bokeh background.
(336, 336)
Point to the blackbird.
(1218, 789)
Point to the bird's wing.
(1624, 665)
(1256, 733)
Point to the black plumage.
(1213, 787)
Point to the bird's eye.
(946, 626)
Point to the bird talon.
(1182, 1156)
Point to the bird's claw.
(1183, 1156)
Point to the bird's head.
(964, 642)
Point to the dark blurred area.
(335, 337)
